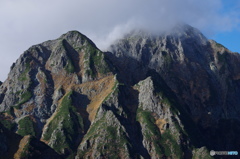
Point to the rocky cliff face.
(174, 95)
(202, 74)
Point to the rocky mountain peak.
(187, 31)
(171, 95)
(76, 38)
(180, 31)
(158, 50)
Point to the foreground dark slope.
(171, 96)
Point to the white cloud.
(27, 22)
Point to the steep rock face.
(154, 112)
(203, 75)
(49, 87)
(167, 129)
(47, 67)
(51, 65)
(113, 128)
(152, 96)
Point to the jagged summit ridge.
(150, 96)
(179, 30)
(143, 45)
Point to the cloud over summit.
(27, 22)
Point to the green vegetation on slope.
(69, 66)
(26, 96)
(66, 126)
(220, 45)
(95, 61)
(26, 127)
(150, 131)
(114, 141)
(23, 76)
(10, 125)
(164, 144)
(171, 147)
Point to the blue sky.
(230, 38)
(24, 23)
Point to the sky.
(24, 23)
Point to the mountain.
(172, 95)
